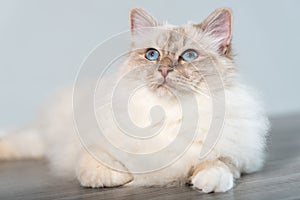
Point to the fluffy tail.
(23, 144)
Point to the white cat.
(213, 127)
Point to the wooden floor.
(280, 179)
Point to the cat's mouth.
(165, 84)
(164, 87)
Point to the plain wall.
(42, 44)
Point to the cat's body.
(239, 147)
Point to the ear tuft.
(139, 18)
(219, 25)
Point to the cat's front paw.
(92, 173)
(102, 177)
(215, 178)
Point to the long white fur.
(240, 149)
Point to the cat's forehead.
(169, 38)
(176, 38)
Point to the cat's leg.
(22, 144)
(213, 176)
(92, 173)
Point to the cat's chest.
(145, 108)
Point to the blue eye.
(152, 54)
(189, 55)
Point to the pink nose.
(164, 70)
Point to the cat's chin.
(164, 89)
(160, 89)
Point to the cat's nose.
(164, 70)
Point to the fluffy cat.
(170, 61)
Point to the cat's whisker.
(195, 89)
(101, 107)
(187, 82)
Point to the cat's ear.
(140, 19)
(219, 25)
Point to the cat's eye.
(152, 54)
(189, 55)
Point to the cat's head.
(181, 58)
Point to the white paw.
(6, 152)
(213, 179)
(102, 177)
(92, 173)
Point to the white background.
(42, 44)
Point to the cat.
(193, 62)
